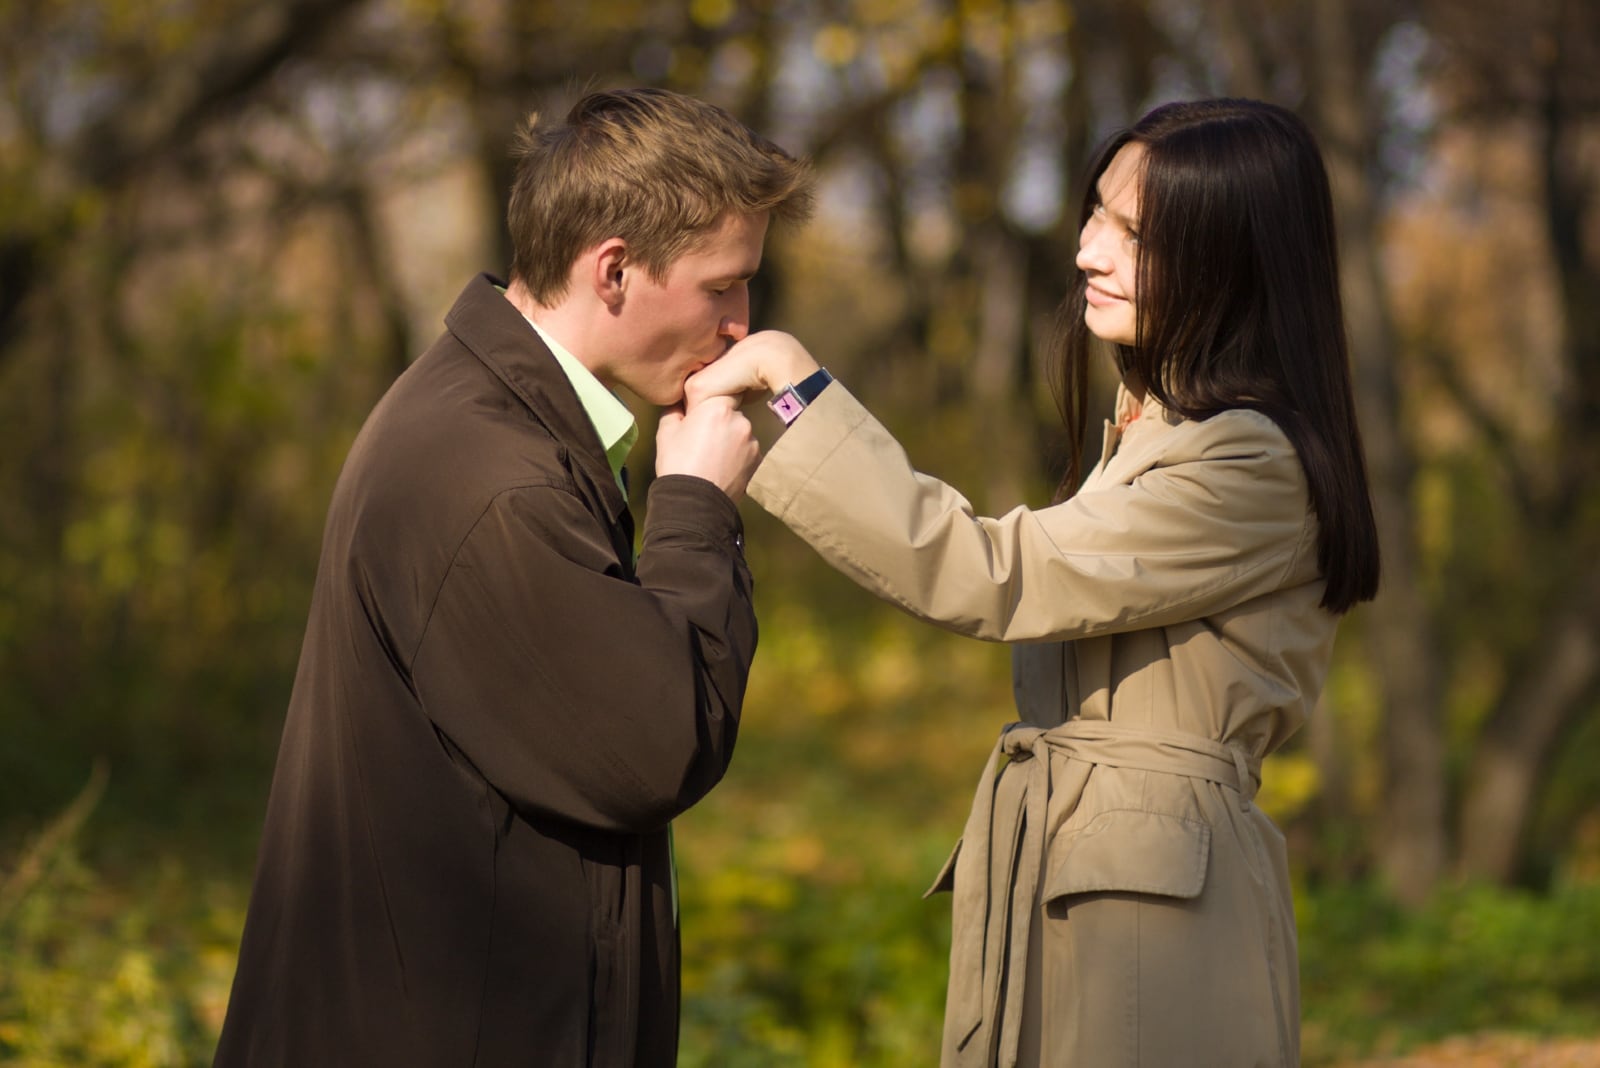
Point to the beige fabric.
(1119, 899)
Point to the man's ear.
(609, 271)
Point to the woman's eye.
(1133, 236)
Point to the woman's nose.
(1091, 253)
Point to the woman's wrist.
(793, 367)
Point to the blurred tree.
(94, 100)
(223, 188)
(1411, 845)
(1528, 75)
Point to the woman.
(1119, 899)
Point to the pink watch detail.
(787, 404)
(791, 400)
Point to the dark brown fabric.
(465, 858)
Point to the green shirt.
(611, 418)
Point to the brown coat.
(1119, 899)
(466, 857)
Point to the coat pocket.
(1130, 850)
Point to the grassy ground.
(1495, 1051)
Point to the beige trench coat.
(1119, 899)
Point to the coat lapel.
(495, 332)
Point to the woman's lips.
(1100, 298)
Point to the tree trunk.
(1557, 679)
(356, 203)
(994, 260)
(1412, 848)
(997, 382)
(1521, 737)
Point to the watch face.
(787, 405)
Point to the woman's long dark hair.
(1238, 306)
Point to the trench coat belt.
(1000, 860)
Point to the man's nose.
(737, 325)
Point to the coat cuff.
(696, 505)
(804, 448)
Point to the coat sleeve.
(1223, 516)
(576, 692)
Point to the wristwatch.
(792, 399)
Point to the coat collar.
(494, 331)
(1132, 437)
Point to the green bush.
(116, 972)
(1477, 958)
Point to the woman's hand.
(763, 362)
(712, 440)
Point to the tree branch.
(191, 91)
(1502, 447)
(35, 863)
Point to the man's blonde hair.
(653, 167)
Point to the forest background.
(226, 226)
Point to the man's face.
(668, 330)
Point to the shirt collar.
(611, 418)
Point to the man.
(466, 859)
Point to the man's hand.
(763, 362)
(712, 440)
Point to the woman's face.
(1108, 250)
